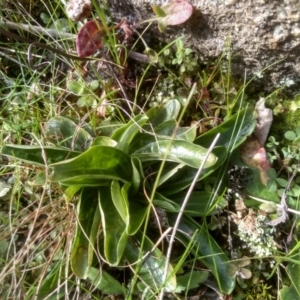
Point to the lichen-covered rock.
(79, 10)
(261, 33)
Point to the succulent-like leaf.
(170, 127)
(125, 134)
(86, 233)
(104, 282)
(152, 268)
(184, 176)
(133, 213)
(168, 111)
(104, 141)
(95, 167)
(120, 201)
(207, 250)
(137, 175)
(114, 228)
(165, 203)
(200, 203)
(64, 132)
(191, 280)
(179, 151)
(233, 132)
(36, 155)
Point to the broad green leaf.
(94, 167)
(165, 203)
(86, 233)
(114, 228)
(170, 173)
(120, 201)
(233, 131)
(137, 210)
(141, 140)
(191, 280)
(206, 249)
(64, 132)
(107, 128)
(89, 180)
(39, 179)
(104, 282)
(137, 175)
(71, 191)
(179, 181)
(169, 128)
(179, 151)
(124, 135)
(34, 155)
(132, 213)
(200, 203)
(104, 141)
(158, 115)
(185, 175)
(152, 268)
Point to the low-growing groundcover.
(127, 179)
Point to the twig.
(37, 30)
(5, 25)
(277, 205)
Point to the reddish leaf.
(253, 154)
(89, 38)
(177, 12)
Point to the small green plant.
(287, 160)
(85, 91)
(186, 58)
(108, 177)
(260, 291)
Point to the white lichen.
(258, 238)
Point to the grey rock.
(262, 34)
